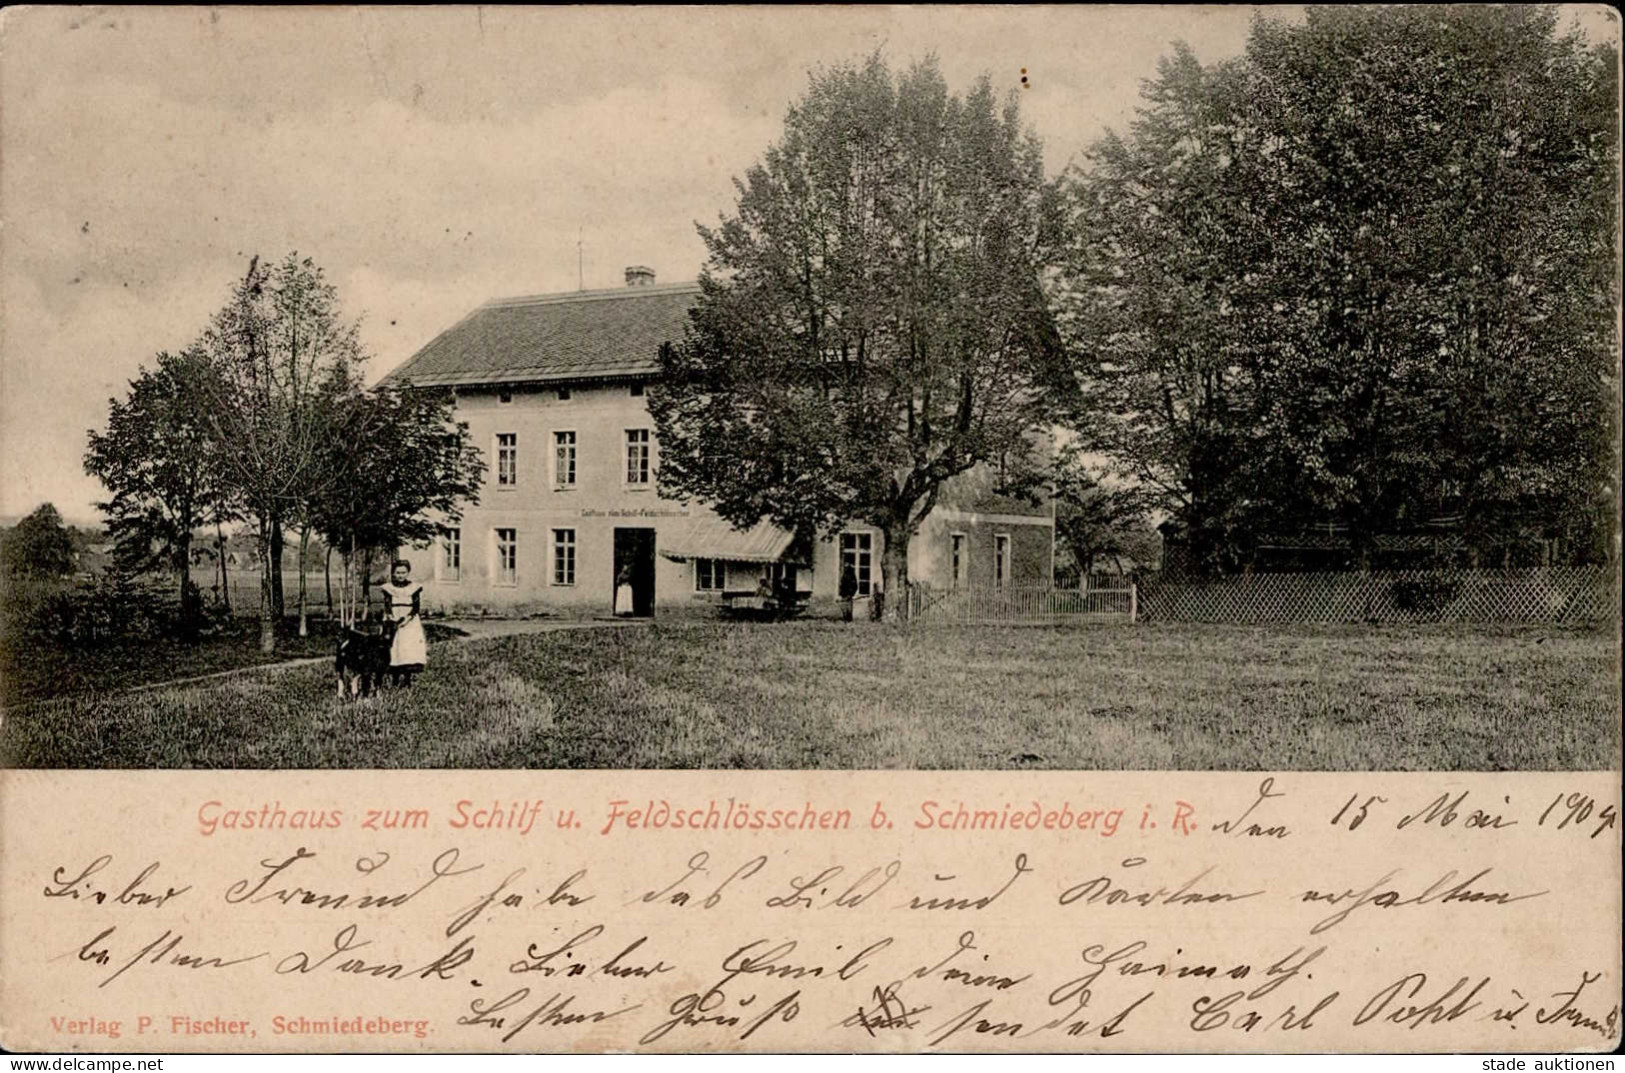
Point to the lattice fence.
(1580, 594)
(1021, 605)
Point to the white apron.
(411, 645)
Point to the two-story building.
(552, 388)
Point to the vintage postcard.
(810, 529)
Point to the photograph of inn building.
(552, 388)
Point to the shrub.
(106, 606)
(1426, 595)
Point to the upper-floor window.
(637, 456)
(564, 394)
(507, 459)
(505, 397)
(637, 388)
(857, 553)
(564, 459)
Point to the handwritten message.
(534, 911)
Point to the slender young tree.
(277, 349)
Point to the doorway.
(635, 551)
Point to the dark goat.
(362, 659)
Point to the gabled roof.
(581, 335)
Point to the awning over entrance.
(713, 538)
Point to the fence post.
(1133, 602)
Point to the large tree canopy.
(1362, 275)
(872, 320)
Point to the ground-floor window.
(709, 575)
(1001, 560)
(451, 555)
(507, 557)
(961, 560)
(857, 552)
(564, 556)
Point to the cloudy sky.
(428, 159)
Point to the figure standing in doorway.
(849, 591)
(623, 592)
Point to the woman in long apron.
(403, 603)
(623, 592)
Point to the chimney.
(640, 276)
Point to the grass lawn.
(811, 695)
(31, 672)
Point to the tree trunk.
(304, 543)
(183, 562)
(225, 578)
(891, 602)
(268, 617)
(279, 605)
(327, 577)
(366, 582)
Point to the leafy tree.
(1459, 354)
(871, 321)
(403, 469)
(1387, 234)
(1167, 322)
(1097, 517)
(39, 547)
(159, 462)
(279, 351)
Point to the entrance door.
(635, 551)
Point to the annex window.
(1001, 560)
(564, 459)
(960, 556)
(709, 575)
(637, 456)
(507, 557)
(564, 556)
(857, 551)
(451, 555)
(507, 459)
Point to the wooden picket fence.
(1559, 595)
